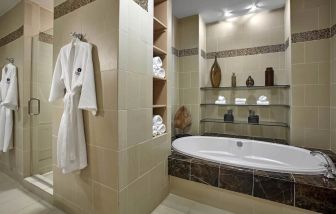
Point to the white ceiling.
(214, 10)
(6, 5)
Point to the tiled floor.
(14, 199)
(174, 204)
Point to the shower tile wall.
(14, 161)
(310, 125)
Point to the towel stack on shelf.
(240, 101)
(262, 100)
(158, 127)
(158, 71)
(221, 100)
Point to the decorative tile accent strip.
(286, 43)
(175, 51)
(311, 35)
(142, 3)
(188, 52)
(11, 36)
(333, 30)
(312, 192)
(46, 38)
(203, 54)
(270, 140)
(247, 51)
(69, 6)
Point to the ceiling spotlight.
(253, 7)
(227, 13)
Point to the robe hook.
(11, 60)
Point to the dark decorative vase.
(228, 117)
(249, 82)
(215, 74)
(233, 80)
(269, 76)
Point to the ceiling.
(6, 5)
(217, 10)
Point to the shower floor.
(49, 176)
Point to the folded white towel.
(221, 98)
(161, 129)
(262, 102)
(155, 131)
(157, 120)
(240, 101)
(220, 102)
(262, 98)
(157, 62)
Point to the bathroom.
(185, 106)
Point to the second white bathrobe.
(73, 79)
(9, 102)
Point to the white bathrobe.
(73, 79)
(9, 102)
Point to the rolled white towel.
(262, 102)
(240, 101)
(155, 131)
(161, 73)
(157, 120)
(157, 62)
(161, 129)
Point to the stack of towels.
(262, 100)
(240, 101)
(158, 71)
(221, 100)
(158, 127)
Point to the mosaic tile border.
(185, 52)
(247, 51)
(333, 30)
(311, 35)
(11, 36)
(46, 38)
(286, 43)
(203, 54)
(69, 6)
(142, 3)
(311, 192)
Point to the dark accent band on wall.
(46, 38)
(247, 51)
(311, 35)
(286, 43)
(69, 6)
(11, 36)
(142, 3)
(203, 54)
(333, 30)
(185, 52)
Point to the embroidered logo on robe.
(8, 80)
(78, 71)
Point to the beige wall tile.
(298, 53)
(317, 51)
(105, 200)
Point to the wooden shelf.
(156, 2)
(158, 52)
(248, 88)
(159, 79)
(159, 106)
(158, 25)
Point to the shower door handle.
(32, 100)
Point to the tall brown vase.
(215, 74)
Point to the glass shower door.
(40, 110)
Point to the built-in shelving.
(261, 123)
(247, 88)
(245, 105)
(160, 49)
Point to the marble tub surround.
(311, 192)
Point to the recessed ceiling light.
(227, 13)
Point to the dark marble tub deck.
(311, 192)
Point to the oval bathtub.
(251, 154)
